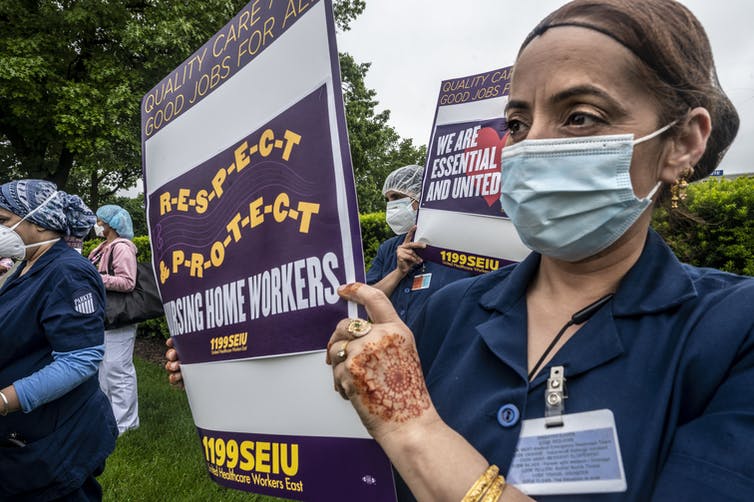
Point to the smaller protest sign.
(460, 216)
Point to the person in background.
(611, 103)
(115, 260)
(76, 243)
(397, 270)
(7, 266)
(56, 426)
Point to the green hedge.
(715, 228)
(374, 230)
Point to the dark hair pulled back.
(678, 66)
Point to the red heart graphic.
(489, 147)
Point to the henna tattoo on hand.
(389, 379)
(350, 289)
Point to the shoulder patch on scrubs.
(84, 302)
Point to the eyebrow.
(517, 104)
(579, 90)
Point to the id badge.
(581, 456)
(421, 282)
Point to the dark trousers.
(90, 491)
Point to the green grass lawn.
(162, 459)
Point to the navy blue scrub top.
(672, 355)
(58, 305)
(406, 298)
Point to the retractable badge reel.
(555, 396)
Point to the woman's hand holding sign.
(376, 366)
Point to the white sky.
(415, 44)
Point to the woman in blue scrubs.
(397, 270)
(599, 368)
(56, 426)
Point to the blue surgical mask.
(570, 198)
(400, 215)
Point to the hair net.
(406, 180)
(118, 219)
(62, 213)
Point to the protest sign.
(253, 223)
(460, 216)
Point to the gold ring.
(342, 354)
(359, 327)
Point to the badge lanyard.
(577, 319)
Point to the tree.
(74, 71)
(73, 75)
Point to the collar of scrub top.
(43, 260)
(656, 283)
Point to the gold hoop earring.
(678, 188)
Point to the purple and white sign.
(254, 224)
(463, 168)
(271, 464)
(460, 216)
(248, 243)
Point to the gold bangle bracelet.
(495, 490)
(480, 485)
(5, 404)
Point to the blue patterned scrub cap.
(64, 213)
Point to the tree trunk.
(93, 191)
(59, 176)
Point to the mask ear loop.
(653, 191)
(647, 138)
(654, 134)
(36, 244)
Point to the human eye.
(583, 120)
(517, 128)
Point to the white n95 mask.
(12, 245)
(570, 198)
(400, 215)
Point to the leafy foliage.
(374, 231)
(346, 11)
(73, 76)
(716, 229)
(74, 72)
